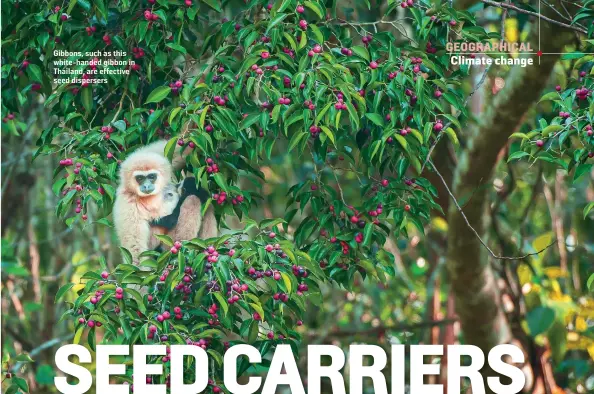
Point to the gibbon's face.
(148, 182)
(145, 174)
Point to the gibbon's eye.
(139, 178)
(152, 177)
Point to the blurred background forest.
(530, 207)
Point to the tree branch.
(473, 281)
(536, 14)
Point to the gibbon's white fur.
(146, 193)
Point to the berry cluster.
(107, 130)
(582, 93)
(176, 86)
(234, 289)
(137, 52)
(214, 320)
(150, 16)
(346, 51)
(212, 167)
(90, 30)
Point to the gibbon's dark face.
(148, 182)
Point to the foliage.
(564, 134)
(365, 102)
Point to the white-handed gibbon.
(146, 193)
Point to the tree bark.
(473, 281)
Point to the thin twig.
(478, 85)
(536, 14)
(445, 184)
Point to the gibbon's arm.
(191, 224)
(179, 159)
(188, 188)
(209, 225)
(133, 231)
(189, 220)
(186, 221)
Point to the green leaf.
(78, 335)
(24, 357)
(318, 33)
(328, 133)
(402, 141)
(582, 169)
(170, 149)
(220, 180)
(322, 112)
(275, 21)
(287, 281)
(63, 290)
(126, 255)
(551, 129)
(177, 47)
(540, 320)
(296, 138)
(222, 302)
(258, 309)
(35, 72)
(375, 118)
(120, 125)
(213, 4)
(572, 55)
(12, 389)
(549, 96)
(87, 98)
(517, 155)
(361, 52)
(588, 208)
(158, 94)
(253, 334)
(558, 339)
(315, 8)
(21, 383)
(590, 282)
(367, 233)
(453, 137)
